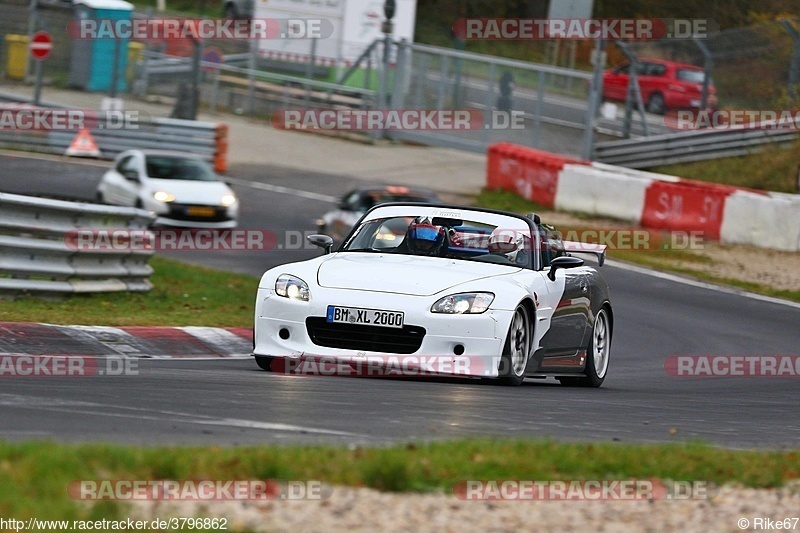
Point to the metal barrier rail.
(692, 146)
(113, 135)
(207, 139)
(40, 251)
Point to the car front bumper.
(464, 345)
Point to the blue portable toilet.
(92, 60)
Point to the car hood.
(191, 192)
(402, 274)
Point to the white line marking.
(221, 340)
(88, 408)
(244, 183)
(283, 190)
(701, 284)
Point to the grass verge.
(774, 169)
(34, 476)
(664, 259)
(182, 295)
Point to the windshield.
(178, 168)
(496, 239)
(692, 76)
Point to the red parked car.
(664, 85)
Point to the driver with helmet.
(423, 238)
(508, 246)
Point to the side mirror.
(563, 262)
(131, 175)
(324, 241)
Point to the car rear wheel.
(656, 104)
(516, 349)
(264, 363)
(597, 355)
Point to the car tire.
(264, 363)
(656, 104)
(101, 199)
(516, 349)
(597, 354)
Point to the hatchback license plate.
(364, 317)
(201, 211)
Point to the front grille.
(364, 338)
(181, 212)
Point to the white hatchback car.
(179, 188)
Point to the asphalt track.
(232, 402)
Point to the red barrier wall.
(686, 206)
(533, 174)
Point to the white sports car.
(446, 290)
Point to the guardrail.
(207, 139)
(115, 132)
(686, 147)
(38, 251)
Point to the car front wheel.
(264, 363)
(516, 349)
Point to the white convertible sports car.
(491, 294)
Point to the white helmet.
(514, 245)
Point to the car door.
(131, 171)
(651, 79)
(565, 341)
(615, 83)
(113, 181)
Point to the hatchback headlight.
(228, 200)
(464, 303)
(291, 287)
(163, 196)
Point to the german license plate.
(364, 317)
(200, 211)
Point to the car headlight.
(291, 287)
(163, 196)
(228, 200)
(464, 303)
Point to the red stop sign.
(41, 45)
